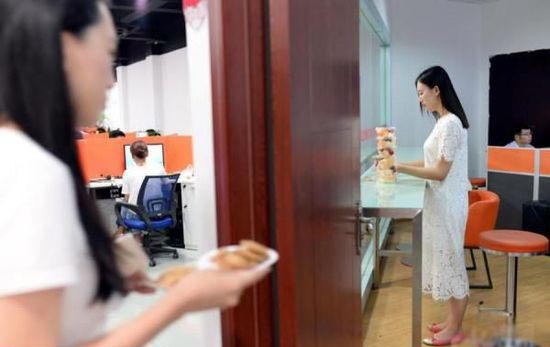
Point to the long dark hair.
(34, 94)
(437, 76)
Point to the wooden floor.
(387, 317)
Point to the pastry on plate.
(171, 276)
(245, 256)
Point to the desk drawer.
(108, 192)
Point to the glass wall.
(374, 73)
(374, 79)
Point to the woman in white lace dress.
(445, 167)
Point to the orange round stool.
(478, 182)
(513, 244)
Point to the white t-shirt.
(514, 144)
(42, 241)
(134, 176)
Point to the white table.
(402, 199)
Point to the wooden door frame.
(252, 93)
(240, 122)
(288, 28)
(289, 321)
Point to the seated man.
(134, 176)
(523, 135)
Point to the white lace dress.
(445, 212)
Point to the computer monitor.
(156, 155)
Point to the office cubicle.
(105, 157)
(517, 175)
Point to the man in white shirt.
(133, 177)
(523, 135)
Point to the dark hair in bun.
(139, 150)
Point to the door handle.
(364, 227)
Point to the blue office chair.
(154, 212)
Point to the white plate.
(205, 262)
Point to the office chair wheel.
(175, 255)
(152, 263)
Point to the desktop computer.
(156, 155)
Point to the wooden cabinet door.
(285, 84)
(315, 99)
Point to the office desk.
(117, 183)
(112, 187)
(403, 199)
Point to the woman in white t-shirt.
(55, 67)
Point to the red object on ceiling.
(190, 3)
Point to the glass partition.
(374, 70)
(374, 79)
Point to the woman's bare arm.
(438, 172)
(40, 312)
(416, 163)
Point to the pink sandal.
(434, 328)
(454, 340)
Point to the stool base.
(511, 291)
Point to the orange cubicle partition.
(101, 157)
(545, 162)
(96, 135)
(513, 160)
(514, 174)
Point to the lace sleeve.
(449, 140)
